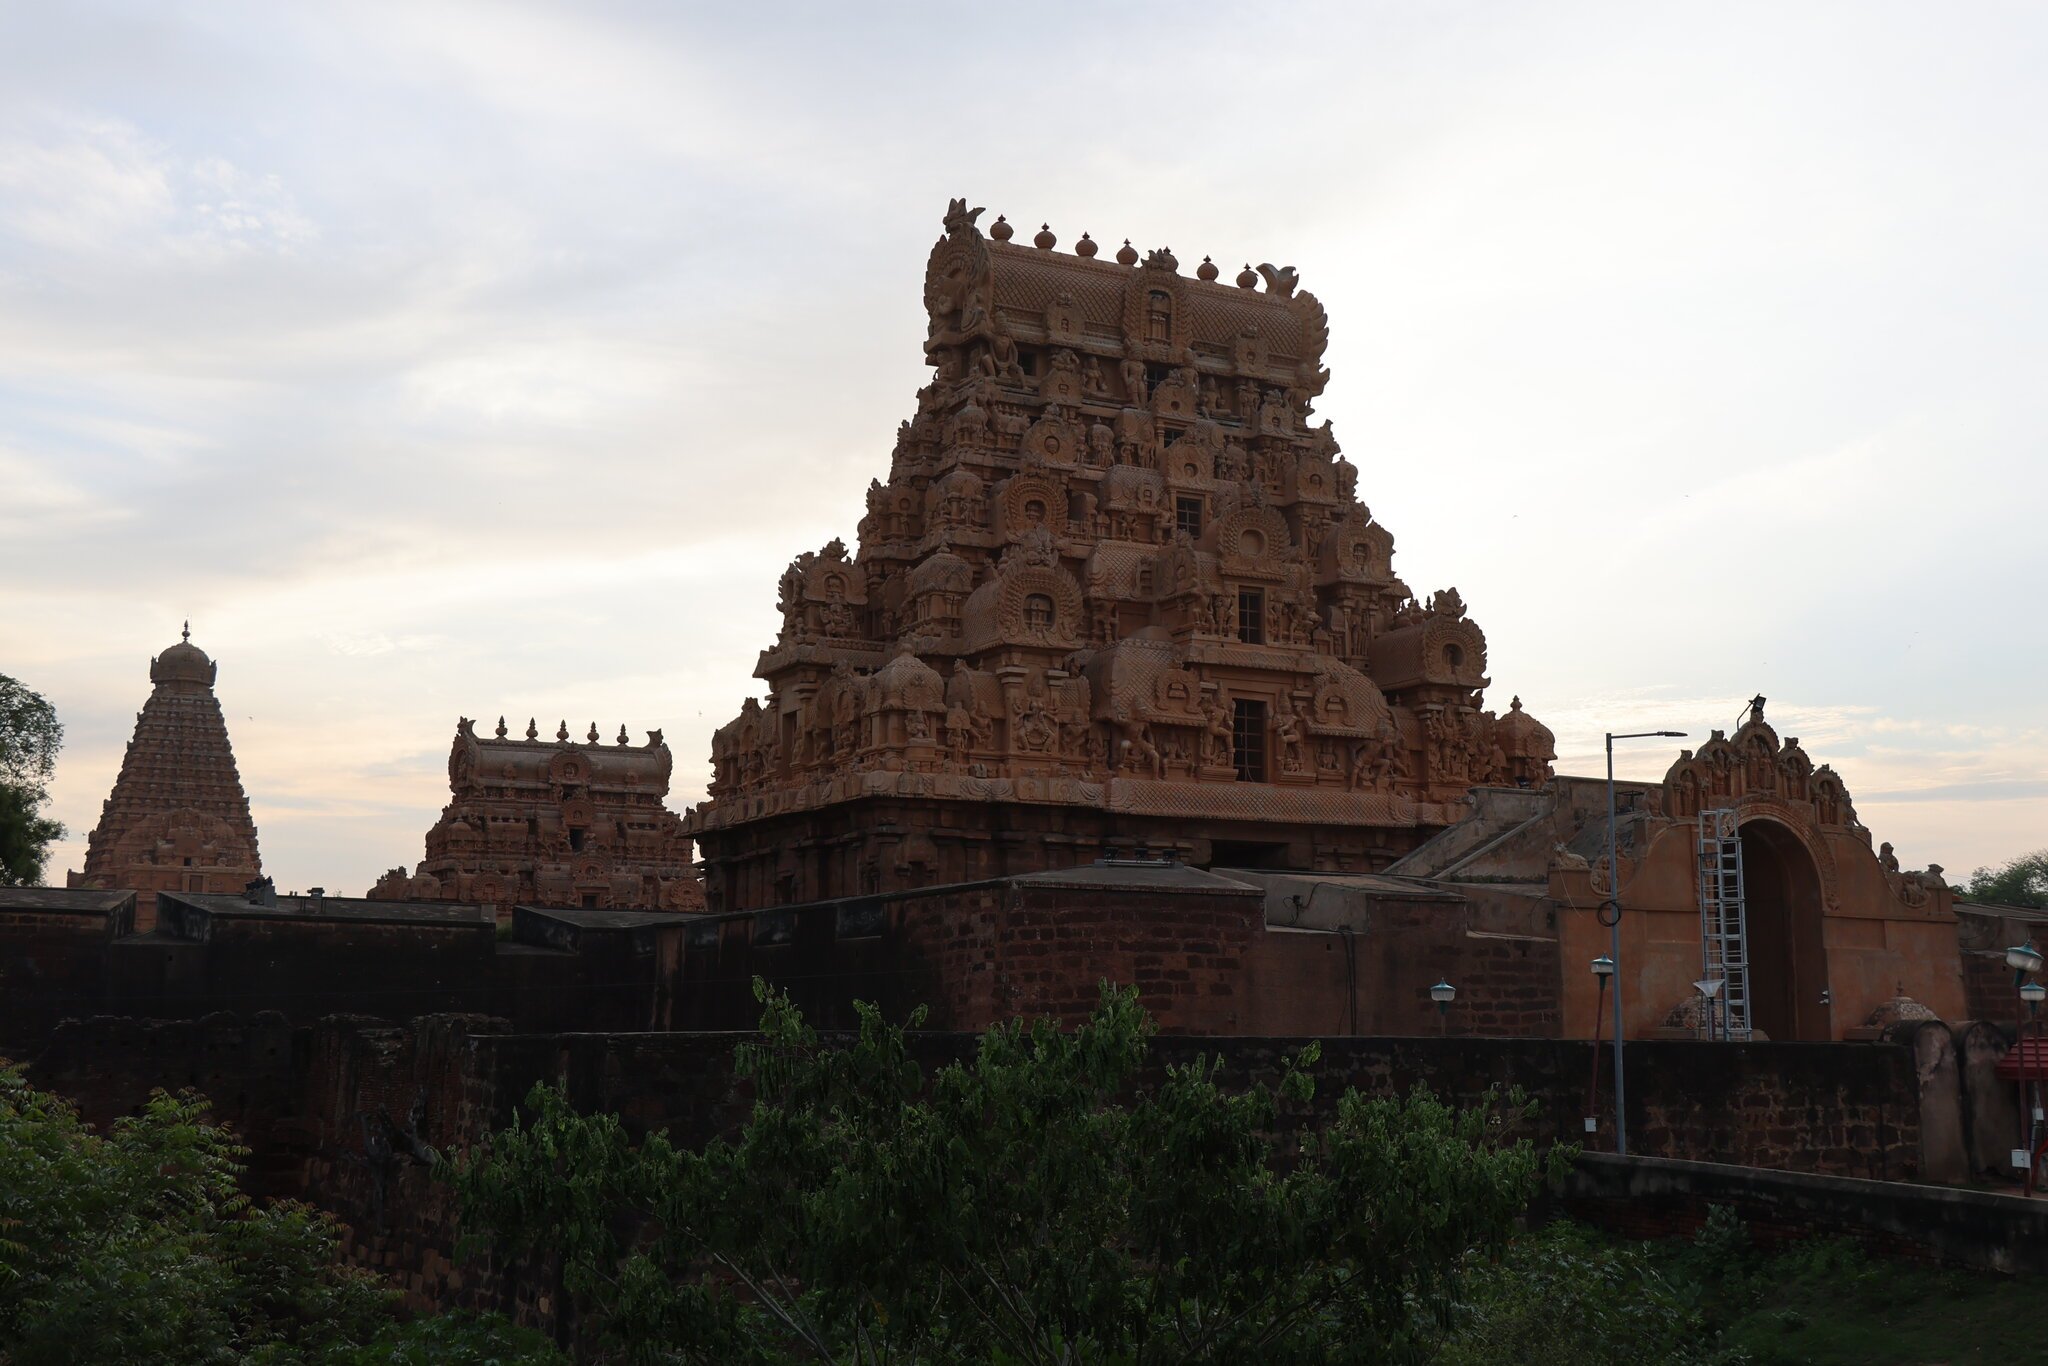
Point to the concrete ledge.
(1665, 1197)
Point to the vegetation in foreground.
(1566, 1295)
(139, 1246)
(1027, 1204)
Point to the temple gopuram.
(1117, 595)
(554, 823)
(177, 819)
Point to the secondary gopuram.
(553, 822)
(1117, 595)
(177, 819)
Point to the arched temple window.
(1037, 612)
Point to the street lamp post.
(1708, 988)
(2032, 993)
(1610, 913)
(1603, 968)
(2025, 961)
(1443, 993)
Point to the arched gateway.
(1787, 941)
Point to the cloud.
(456, 359)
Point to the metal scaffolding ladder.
(1724, 925)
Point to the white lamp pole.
(1708, 988)
(1611, 912)
(2024, 960)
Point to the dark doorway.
(1788, 964)
(1247, 854)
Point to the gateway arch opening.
(1788, 968)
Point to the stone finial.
(501, 727)
(562, 732)
(1001, 229)
(1085, 247)
(1127, 255)
(593, 732)
(1247, 278)
(622, 734)
(1045, 241)
(186, 634)
(1206, 270)
(532, 730)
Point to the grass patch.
(1566, 1295)
(1828, 1303)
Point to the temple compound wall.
(554, 823)
(177, 819)
(75, 954)
(1117, 596)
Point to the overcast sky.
(445, 359)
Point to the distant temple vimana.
(1119, 682)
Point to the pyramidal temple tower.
(1116, 595)
(177, 819)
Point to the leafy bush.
(1565, 1296)
(139, 1246)
(1023, 1206)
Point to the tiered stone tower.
(177, 819)
(1118, 593)
(554, 823)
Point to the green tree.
(2021, 882)
(1029, 1204)
(139, 1246)
(30, 736)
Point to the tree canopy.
(30, 736)
(1029, 1204)
(2019, 882)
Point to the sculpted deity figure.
(1135, 389)
(1217, 729)
(1094, 383)
(1886, 859)
(1135, 749)
(1288, 729)
(1101, 443)
(959, 733)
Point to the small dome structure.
(183, 663)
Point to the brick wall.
(993, 953)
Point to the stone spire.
(177, 819)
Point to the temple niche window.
(1248, 739)
(1251, 615)
(1037, 612)
(1454, 656)
(1158, 316)
(1187, 516)
(1034, 511)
